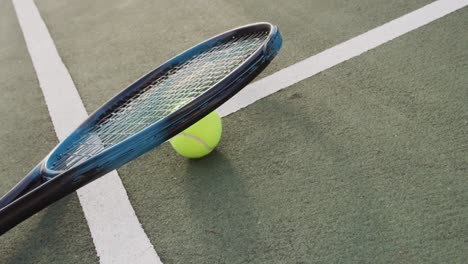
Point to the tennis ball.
(200, 139)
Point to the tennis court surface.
(361, 157)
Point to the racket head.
(180, 117)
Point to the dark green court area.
(366, 162)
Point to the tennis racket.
(150, 111)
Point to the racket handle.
(32, 201)
(31, 180)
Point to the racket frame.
(42, 186)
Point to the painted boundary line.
(340, 53)
(117, 234)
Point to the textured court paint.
(340, 53)
(117, 233)
(108, 44)
(363, 163)
(126, 44)
(26, 136)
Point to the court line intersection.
(117, 234)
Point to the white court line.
(117, 234)
(340, 53)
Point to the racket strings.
(163, 96)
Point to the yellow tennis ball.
(200, 139)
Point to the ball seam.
(199, 140)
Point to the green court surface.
(60, 233)
(366, 162)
